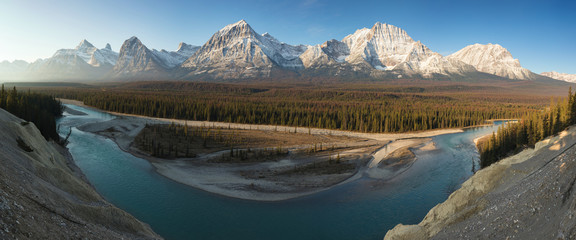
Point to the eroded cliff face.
(43, 194)
(527, 196)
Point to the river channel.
(361, 209)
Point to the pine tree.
(3, 97)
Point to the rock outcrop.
(43, 194)
(527, 196)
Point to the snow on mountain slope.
(493, 59)
(135, 59)
(383, 45)
(423, 61)
(332, 52)
(103, 56)
(382, 48)
(90, 54)
(238, 51)
(175, 58)
(85, 62)
(560, 76)
(283, 54)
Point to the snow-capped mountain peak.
(382, 46)
(493, 59)
(237, 49)
(87, 53)
(132, 41)
(84, 44)
(240, 29)
(175, 58)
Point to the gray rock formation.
(43, 194)
(527, 196)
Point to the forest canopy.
(39, 109)
(361, 109)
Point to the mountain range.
(238, 52)
(560, 76)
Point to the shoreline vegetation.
(525, 133)
(516, 187)
(327, 157)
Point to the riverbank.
(305, 130)
(525, 196)
(44, 195)
(284, 178)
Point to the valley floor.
(374, 155)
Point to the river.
(362, 209)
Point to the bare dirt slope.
(43, 194)
(527, 196)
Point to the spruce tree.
(3, 97)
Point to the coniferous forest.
(388, 110)
(513, 137)
(39, 109)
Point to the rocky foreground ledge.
(530, 195)
(43, 195)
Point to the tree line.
(362, 111)
(513, 137)
(39, 109)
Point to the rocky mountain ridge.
(237, 51)
(560, 76)
(493, 59)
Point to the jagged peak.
(132, 39)
(380, 25)
(108, 46)
(241, 27)
(183, 45)
(329, 42)
(389, 31)
(84, 44)
(241, 22)
(266, 34)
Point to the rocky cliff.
(43, 194)
(527, 196)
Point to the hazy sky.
(541, 34)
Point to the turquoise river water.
(362, 209)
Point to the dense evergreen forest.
(527, 132)
(40, 109)
(363, 110)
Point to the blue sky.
(541, 34)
